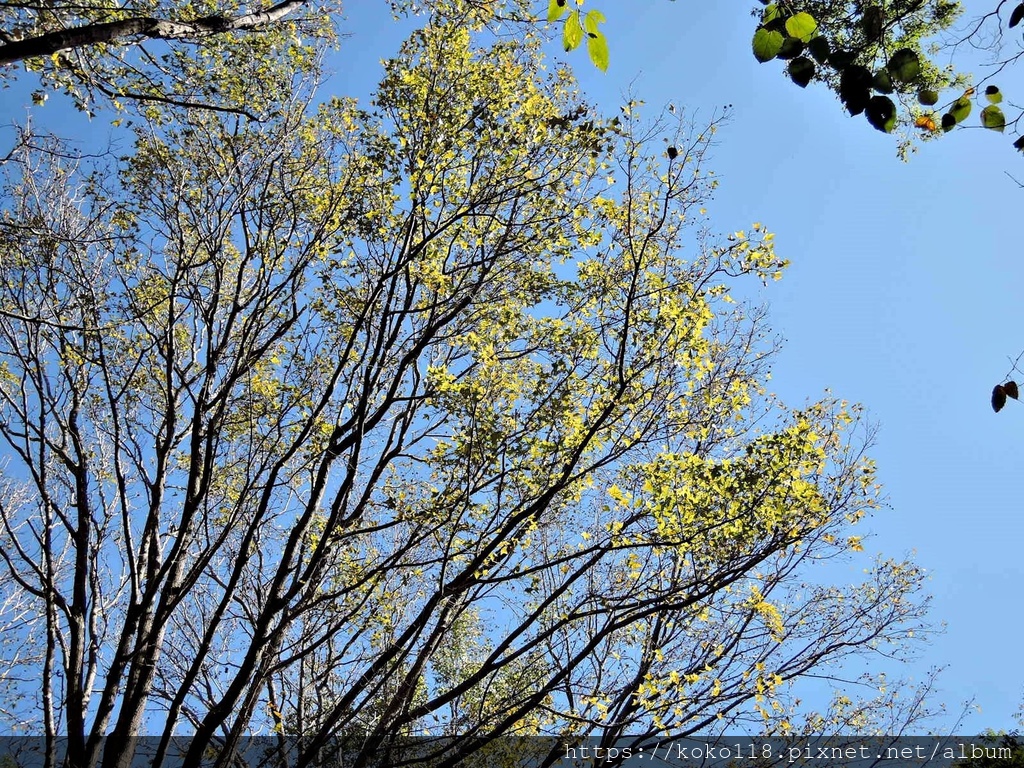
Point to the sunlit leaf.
(572, 32)
(597, 47)
(592, 19)
(556, 9)
(766, 44)
(801, 26)
(992, 118)
(993, 94)
(770, 13)
(961, 109)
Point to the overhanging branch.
(128, 31)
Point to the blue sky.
(902, 295)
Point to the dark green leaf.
(1019, 144)
(904, 65)
(871, 23)
(818, 48)
(993, 94)
(881, 82)
(881, 113)
(801, 71)
(992, 118)
(841, 59)
(998, 398)
(767, 44)
(791, 48)
(927, 97)
(948, 122)
(801, 26)
(855, 88)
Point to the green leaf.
(770, 13)
(801, 26)
(961, 109)
(855, 88)
(818, 48)
(557, 9)
(791, 48)
(992, 118)
(882, 82)
(993, 94)
(801, 71)
(766, 44)
(881, 113)
(872, 24)
(948, 122)
(572, 32)
(904, 65)
(597, 47)
(928, 97)
(1017, 15)
(597, 44)
(591, 21)
(841, 59)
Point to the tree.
(880, 59)
(209, 55)
(874, 56)
(438, 419)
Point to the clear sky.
(902, 295)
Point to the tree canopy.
(434, 416)
(214, 55)
(880, 59)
